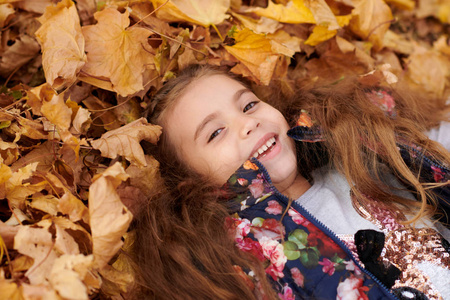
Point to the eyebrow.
(214, 115)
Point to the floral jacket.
(301, 255)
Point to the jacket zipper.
(324, 228)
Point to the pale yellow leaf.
(116, 52)
(38, 292)
(371, 19)
(57, 112)
(109, 218)
(322, 14)
(201, 12)
(125, 141)
(36, 242)
(294, 12)
(67, 276)
(62, 44)
(45, 203)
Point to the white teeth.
(264, 147)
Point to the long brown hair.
(182, 249)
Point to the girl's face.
(217, 124)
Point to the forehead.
(205, 94)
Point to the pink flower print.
(298, 277)
(328, 266)
(256, 188)
(438, 174)
(242, 228)
(383, 100)
(251, 246)
(287, 293)
(274, 208)
(242, 181)
(351, 266)
(297, 218)
(273, 250)
(352, 289)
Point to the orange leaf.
(109, 218)
(116, 52)
(125, 141)
(62, 44)
(294, 12)
(371, 19)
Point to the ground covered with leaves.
(77, 75)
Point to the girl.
(343, 205)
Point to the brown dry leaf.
(37, 6)
(257, 53)
(322, 14)
(434, 78)
(57, 112)
(105, 115)
(109, 218)
(6, 13)
(67, 276)
(82, 120)
(125, 141)
(436, 8)
(9, 152)
(403, 4)
(201, 12)
(45, 203)
(74, 208)
(36, 242)
(23, 50)
(371, 19)
(116, 53)
(397, 43)
(62, 44)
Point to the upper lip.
(261, 142)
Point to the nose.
(249, 124)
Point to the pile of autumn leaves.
(72, 166)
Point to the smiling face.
(217, 124)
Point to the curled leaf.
(109, 218)
(125, 141)
(62, 44)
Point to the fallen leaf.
(257, 53)
(45, 203)
(62, 44)
(201, 12)
(74, 208)
(294, 12)
(22, 51)
(371, 19)
(9, 290)
(36, 6)
(36, 242)
(67, 275)
(116, 52)
(322, 14)
(38, 292)
(125, 141)
(109, 218)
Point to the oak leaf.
(62, 44)
(294, 12)
(371, 19)
(109, 218)
(201, 12)
(116, 53)
(125, 141)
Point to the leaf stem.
(218, 32)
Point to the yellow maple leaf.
(116, 53)
(62, 44)
(125, 141)
(109, 218)
(258, 53)
(371, 19)
(201, 12)
(294, 12)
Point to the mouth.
(265, 148)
